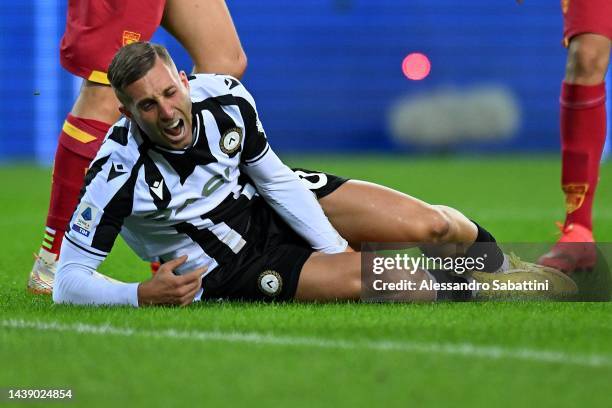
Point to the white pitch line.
(461, 349)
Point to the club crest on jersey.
(270, 282)
(574, 195)
(86, 215)
(230, 141)
(130, 37)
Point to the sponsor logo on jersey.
(86, 215)
(574, 195)
(270, 282)
(130, 37)
(230, 141)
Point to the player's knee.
(234, 65)
(353, 287)
(351, 279)
(239, 65)
(436, 225)
(429, 224)
(587, 62)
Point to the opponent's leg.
(206, 30)
(98, 102)
(81, 136)
(583, 134)
(587, 59)
(94, 31)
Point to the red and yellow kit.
(586, 16)
(96, 29)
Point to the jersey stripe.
(157, 185)
(184, 163)
(208, 241)
(224, 122)
(117, 209)
(92, 172)
(167, 202)
(119, 135)
(255, 142)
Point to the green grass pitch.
(231, 354)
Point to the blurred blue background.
(327, 77)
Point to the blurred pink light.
(416, 66)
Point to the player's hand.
(166, 288)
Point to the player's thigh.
(333, 277)
(367, 212)
(330, 277)
(206, 30)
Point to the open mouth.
(174, 129)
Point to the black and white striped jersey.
(197, 201)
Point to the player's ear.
(184, 79)
(125, 112)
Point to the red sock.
(583, 134)
(78, 144)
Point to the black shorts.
(270, 269)
(321, 184)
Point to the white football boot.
(42, 276)
(43, 273)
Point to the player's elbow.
(65, 286)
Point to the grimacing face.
(160, 104)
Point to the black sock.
(487, 249)
(451, 295)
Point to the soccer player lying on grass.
(187, 176)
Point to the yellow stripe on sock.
(99, 77)
(76, 133)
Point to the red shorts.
(586, 16)
(96, 29)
